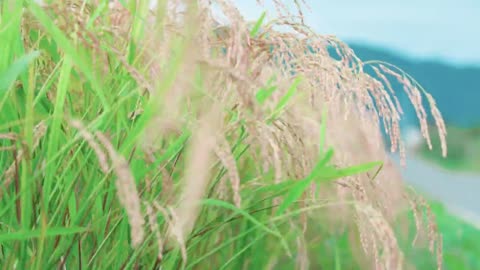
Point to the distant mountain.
(456, 89)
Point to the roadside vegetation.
(464, 150)
(163, 139)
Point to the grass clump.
(460, 242)
(138, 138)
(463, 147)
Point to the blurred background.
(438, 43)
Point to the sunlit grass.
(464, 146)
(86, 142)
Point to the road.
(460, 192)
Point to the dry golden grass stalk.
(169, 217)
(439, 252)
(381, 231)
(197, 172)
(303, 262)
(177, 229)
(126, 190)
(90, 139)
(126, 187)
(8, 176)
(222, 149)
(152, 221)
(8, 136)
(233, 66)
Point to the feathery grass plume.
(8, 176)
(170, 220)
(10, 137)
(442, 130)
(126, 187)
(389, 87)
(439, 252)
(153, 223)
(343, 86)
(191, 81)
(197, 172)
(302, 253)
(177, 230)
(90, 139)
(126, 190)
(410, 85)
(277, 165)
(392, 256)
(432, 226)
(368, 242)
(418, 215)
(222, 150)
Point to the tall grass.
(133, 138)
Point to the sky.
(446, 30)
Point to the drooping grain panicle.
(197, 172)
(8, 136)
(440, 123)
(12, 137)
(439, 252)
(392, 256)
(8, 176)
(90, 139)
(253, 105)
(154, 228)
(414, 91)
(126, 190)
(222, 150)
(125, 183)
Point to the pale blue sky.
(448, 30)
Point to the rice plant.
(139, 138)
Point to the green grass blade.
(257, 25)
(223, 204)
(51, 232)
(55, 130)
(322, 173)
(245, 214)
(286, 98)
(331, 173)
(240, 252)
(264, 93)
(9, 76)
(64, 43)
